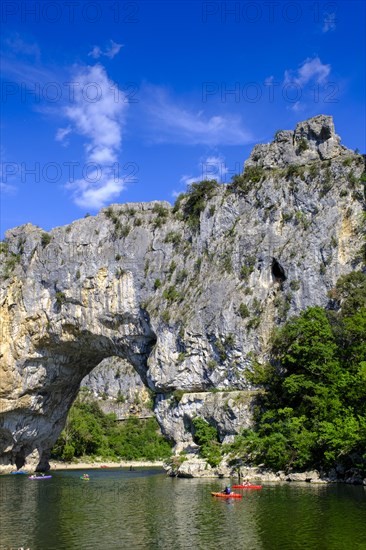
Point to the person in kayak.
(227, 490)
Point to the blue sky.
(123, 101)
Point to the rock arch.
(49, 345)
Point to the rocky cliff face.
(313, 140)
(184, 296)
(119, 389)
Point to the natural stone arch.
(45, 360)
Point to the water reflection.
(316, 517)
(19, 498)
(147, 510)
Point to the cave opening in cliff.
(278, 272)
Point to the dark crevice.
(278, 273)
(19, 460)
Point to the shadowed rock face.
(185, 306)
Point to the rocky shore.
(194, 467)
(92, 465)
(198, 467)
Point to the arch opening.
(51, 378)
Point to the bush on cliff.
(243, 183)
(195, 200)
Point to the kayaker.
(227, 490)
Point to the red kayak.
(247, 486)
(225, 495)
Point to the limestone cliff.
(185, 295)
(118, 388)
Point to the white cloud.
(214, 167)
(94, 196)
(20, 46)
(61, 135)
(110, 51)
(310, 70)
(97, 114)
(170, 122)
(27, 74)
(113, 50)
(8, 173)
(6, 188)
(20, 63)
(96, 52)
(329, 23)
(297, 107)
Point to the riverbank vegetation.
(313, 410)
(91, 433)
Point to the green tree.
(90, 432)
(206, 437)
(313, 411)
(196, 199)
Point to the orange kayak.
(224, 495)
(247, 486)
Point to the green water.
(145, 509)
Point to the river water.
(118, 509)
